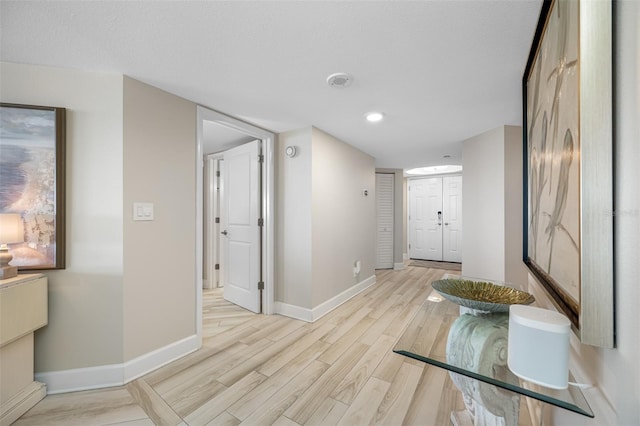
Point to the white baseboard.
(294, 311)
(399, 266)
(311, 315)
(104, 376)
(78, 379)
(328, 306)
(152, 360)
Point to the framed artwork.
(568, 134)
(32, 172)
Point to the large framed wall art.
(32, 172)
(568, 170)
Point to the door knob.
(224, 232)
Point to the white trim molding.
(105, 376)
(399, 266)
(79, 379)
(294, 311)
(311, 315)
(155, 359)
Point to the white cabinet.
(23, 309)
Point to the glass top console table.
(473, 344)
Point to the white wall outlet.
(142, 211)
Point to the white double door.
(435, 218)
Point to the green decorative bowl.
(481, 295)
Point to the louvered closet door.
(384, 208)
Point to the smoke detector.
(339, 80)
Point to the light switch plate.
(142, 211)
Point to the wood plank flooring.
(271, 370)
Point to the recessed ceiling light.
(434, 170)
(339, 80)
(374, 117)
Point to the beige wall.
(343, 223)
(159, 255)
(293, 219)
(126, 142)
(399, 211)
(85, 299)
(492, 208)
(325, 224)
(515, 270)
(483, 239)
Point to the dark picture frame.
(32, 170)
(568, 164)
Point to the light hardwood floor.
(264, 370)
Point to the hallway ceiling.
(441, 71)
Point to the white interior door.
(452, 218)
(433, 212)
(384, 219)
(240, 257)
(425, 230)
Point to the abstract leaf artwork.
(554, 151)
(568, 146)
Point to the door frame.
(268, 202)
(211, 210)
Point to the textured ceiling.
(442, 71)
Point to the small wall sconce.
(290, 151)
(11, 232)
